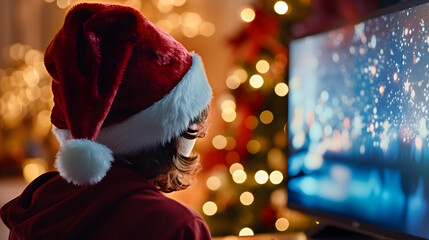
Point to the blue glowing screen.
(358, 122)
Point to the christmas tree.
(249, 190)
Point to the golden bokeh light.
(233, 82)
(281, 89)
(234, 167)
(262, 66)
(231, 143)
(241, 74)
(246, 198)
(281, 7)
(278, 198)
(209, 208)
(63, 3)
(178, 3)
(34, 167)
(165, 6)
(229, 117)
(256, 81)
(282, 224)
(251, 122)
(248, 14)
(276, 159)
(228, 106)
(239, 176)
(261, 177)
(276, 177)
(266, 117)
(207, 29)
(213, 183)
(253, 146)
(246, 232)
(219, 142)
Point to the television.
(358, 124)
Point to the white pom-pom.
(82, 161)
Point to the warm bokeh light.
(234, 167)
(276, 159)
(256, 81)
(241, 74)
(213, 183)
(248, 14)
(232, 157)
(233, 82)
(33, 168)
(219, 142)
(246, 198)
(178, 3)
(239, 176)
(229, 117)
(276, 177)
(281, 89)
(253, 146)
(262, 66)
(164, 6)
(282, 224)
(63, 3)
(228, 106)
(281, 7)
(207, 29)
(251, 122)
(209, 208)
(166, 25)
(261, 177)
(246, 232)
(231, 143)
(191, 23)
(266, 117)
(278, 198)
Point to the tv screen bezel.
(338, 220)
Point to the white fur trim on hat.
(161, 122)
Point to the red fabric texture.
(124, 205)
(108, 62)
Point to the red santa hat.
(120, 85)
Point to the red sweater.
(124, 205)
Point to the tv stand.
(328, 232)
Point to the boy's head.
(121, 86)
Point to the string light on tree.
(246, 232)
(246, 198)
(241, 74)
(266, 117)
(239, 176)
(253, 146)
(234, 167)
(276, 177)
(262, 66)
(281, 7)
(213, 183)
(256, 81)
(248, 14)
(261, 177)
(209, 208)
(281, 89)
(282, 224)
(219, 142)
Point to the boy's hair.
(164, 165)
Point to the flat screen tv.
(358, 124)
